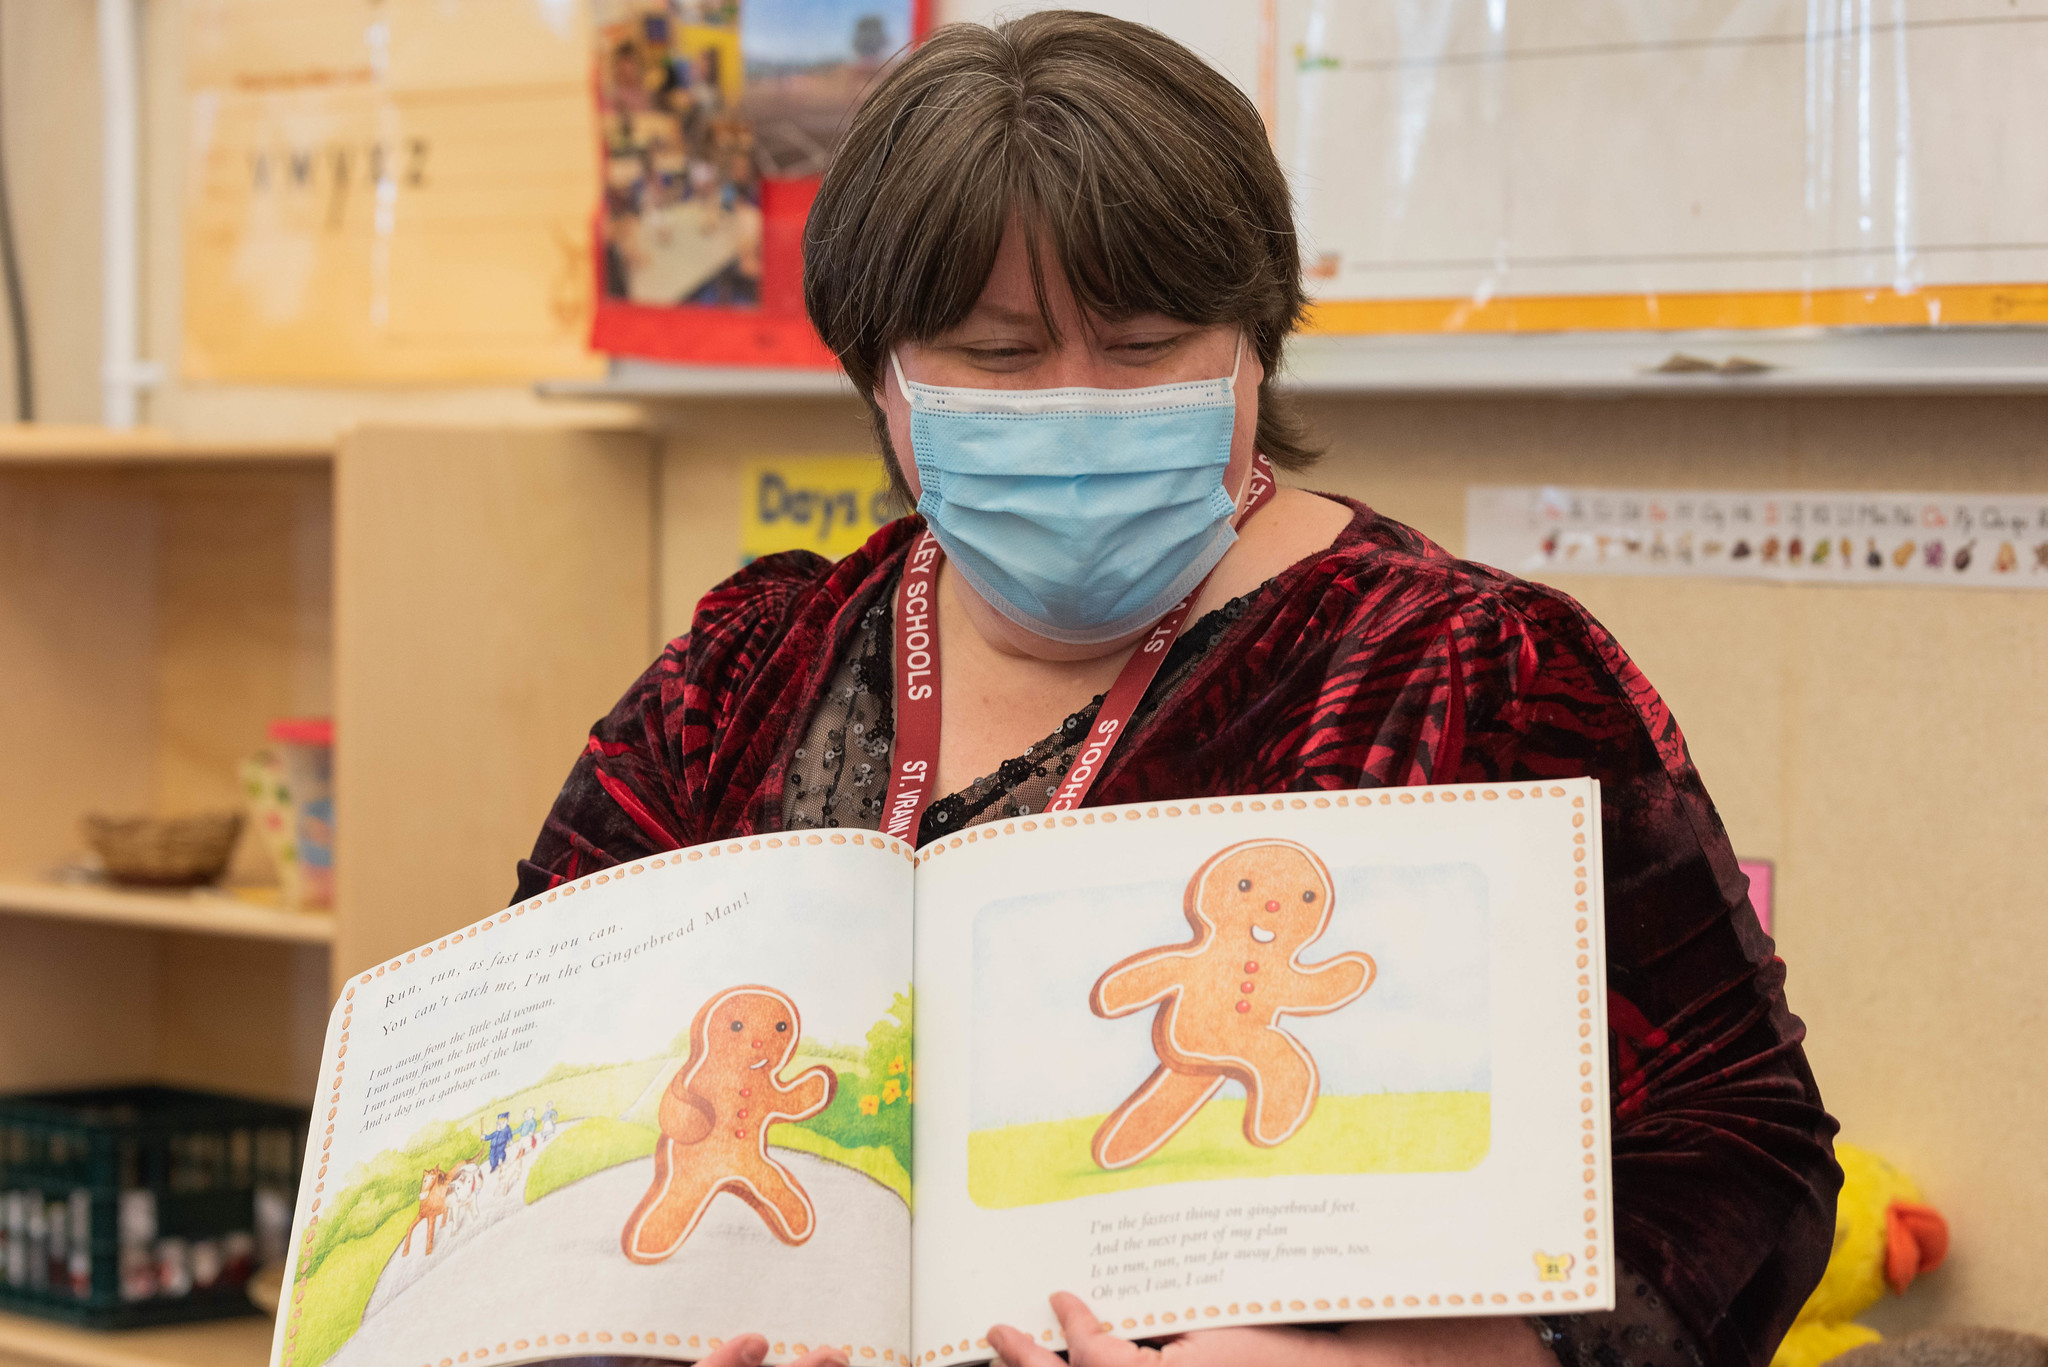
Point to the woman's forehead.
(1010, 297)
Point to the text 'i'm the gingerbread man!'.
(1254, 908)
(714, 1124)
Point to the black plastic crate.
(129, 1206)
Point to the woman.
(1057, 259)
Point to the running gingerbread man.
(714, 1124)
(1254, 908)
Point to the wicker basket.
(164, 852)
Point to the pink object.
(306, 746)
(303, 731)
(1762, 873)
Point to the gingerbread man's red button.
(1243, 1006)
(1245, 988)
(1250, 966)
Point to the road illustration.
(513, 1271)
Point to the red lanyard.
(916, 766)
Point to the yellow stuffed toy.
(1884, 1237)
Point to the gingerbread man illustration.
(714, 1124)
(1254, 908)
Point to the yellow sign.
(388, 190)
(827, 504)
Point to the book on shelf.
(1244, 1060)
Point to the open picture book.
(1254, 1060)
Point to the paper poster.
(826, 504)
(1618, 166)
(1856, 536)
(387, 190)
(717, 118)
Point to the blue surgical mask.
(1082, 515)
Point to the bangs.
(1137, 171)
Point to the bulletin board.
(1509, 167)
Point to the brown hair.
(1143, 170)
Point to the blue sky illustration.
(803, 32)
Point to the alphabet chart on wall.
(1852, 536)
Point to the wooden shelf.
(54, 444)
(202, 912)
(217, 1343)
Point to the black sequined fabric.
(1640, 1331)
(839, 775)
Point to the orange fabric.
(1916, 1241)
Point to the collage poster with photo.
(717, 118)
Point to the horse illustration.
(434, 1189)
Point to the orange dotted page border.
(511, 1347)
(1584, 1158)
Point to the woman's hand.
(1475, 1342)
(748, 1349)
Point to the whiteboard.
(1609, 196)
(1784, 195)
(1481, 166)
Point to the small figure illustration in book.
(714, 1122)
(499, 1137)
(526, 1135)
(434, 1189)
(1254, 908)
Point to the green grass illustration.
(1028, 1165)
(358, 1234)
(587, 1147)
(615, 1108)
(876, 1162)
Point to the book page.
(1263, 1060)
(646, 1111)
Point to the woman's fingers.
(1015, 1348)
(821, 1357)
(1087, 1344)
(749, 1349)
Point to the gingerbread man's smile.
(1262, 935)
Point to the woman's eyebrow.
(997, 313)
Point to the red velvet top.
(1381, 661)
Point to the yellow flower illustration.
(896, 1064)
(891, 1090)
(870, 1104)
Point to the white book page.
(649, 1110)
(1102, 992)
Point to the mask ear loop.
(902, 385)
(1251, 468)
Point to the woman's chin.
(1009, 637)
